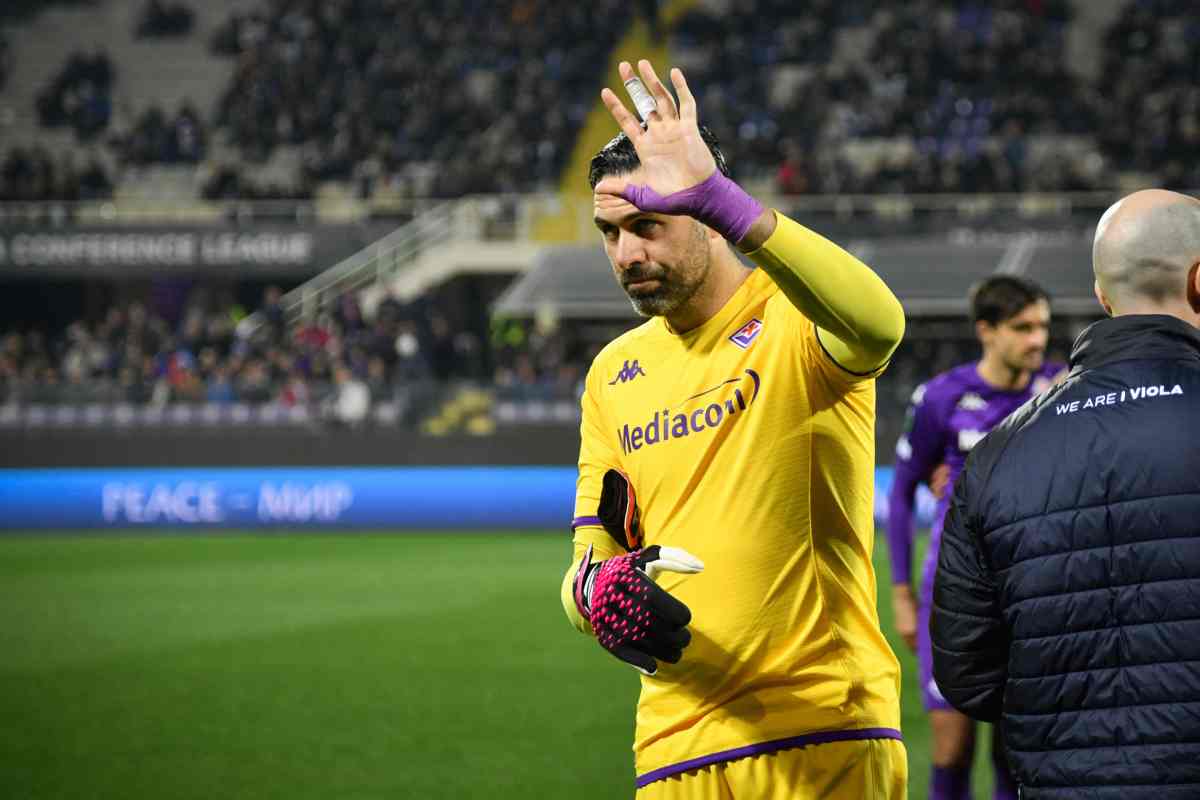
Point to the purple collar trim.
(818, 737)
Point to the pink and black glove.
(632, 616)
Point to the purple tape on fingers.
(717, 201)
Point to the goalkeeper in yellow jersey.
(723, 515)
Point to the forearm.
(567, 595)
(862, 322)
(899, 534)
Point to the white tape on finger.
(642, 99)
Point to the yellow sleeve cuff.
(603, 548)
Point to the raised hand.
(674, 157)
(678, 172)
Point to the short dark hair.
(619, 158)
(1001, 297)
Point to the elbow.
(881, 338)
(973, 689)
(982, 703)
(891, 327)
(970, 680)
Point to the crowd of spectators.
(469, 96)
(961, 84)
(34, 175)
(232, 181)
(80, 95)
(464, 96)
(161, 19)
(1151, 79)
(6, 59)
(21, 9)
(537, 360)
(338, 366)
(158, 137)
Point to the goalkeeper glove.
(632, 616)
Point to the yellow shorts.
(865, 769)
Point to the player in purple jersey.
(948, 416)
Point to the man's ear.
(1193, 287)
(983, 330)
(1100, 297)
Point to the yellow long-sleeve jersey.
(752, 448)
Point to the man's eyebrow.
(632, 215)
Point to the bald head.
(1145, 249)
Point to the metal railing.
(116, 212)
(188, 212)
(377, 262)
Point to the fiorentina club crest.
(746, 334)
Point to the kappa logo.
(629, 371)
(968, 439)
(972, 402)
(745, 335)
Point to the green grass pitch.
(298, 667)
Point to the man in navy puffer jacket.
(1066, 602)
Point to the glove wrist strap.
(585, 578)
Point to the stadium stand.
(165, 19)
(20, 9)
(466, 97)
(32, 175)
(80, 95)
(191, 356)
(838, 97)
(5, 59)
(873, 97)
(158, 137)
(1151, 70)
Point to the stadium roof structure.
(575, 280)
(931, 274)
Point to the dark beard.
(663, 300)
(673, 291)
(1023, 366)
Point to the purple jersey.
(948, 416)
